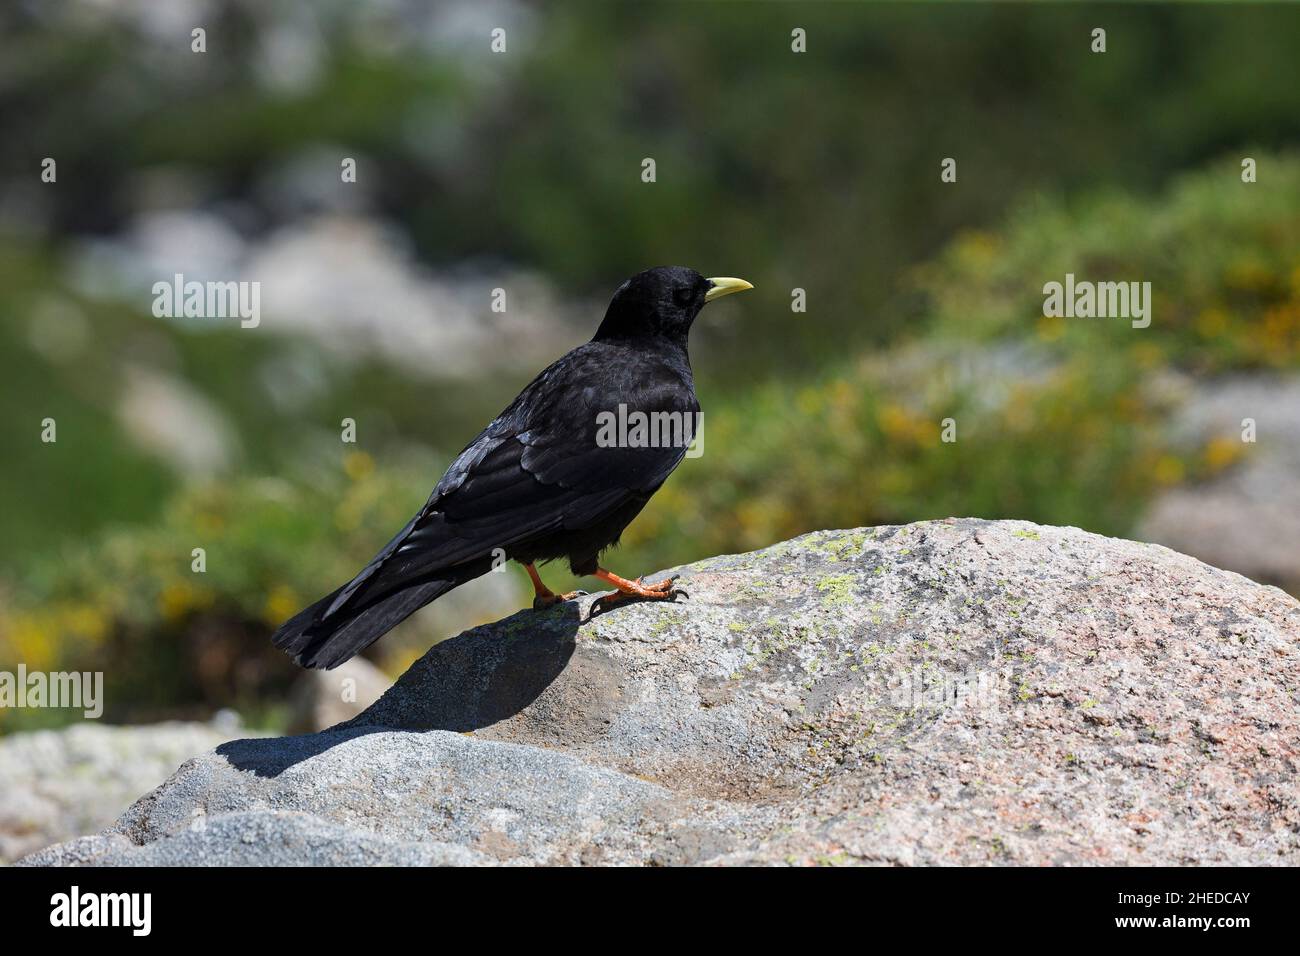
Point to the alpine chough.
(558, 474)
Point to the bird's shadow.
(483, 676)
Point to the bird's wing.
(536, 469)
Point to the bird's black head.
(662, 302)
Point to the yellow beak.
(725, 285)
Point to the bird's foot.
(550, 599)
(545, 596)
(665, 590)
(663, 587)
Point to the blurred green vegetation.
(818, 171)
(173, 643)
(94, 475)
(1059, 421)
(1222, 256)
(1070, 430)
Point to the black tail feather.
(316, 639)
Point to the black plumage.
(536, 484)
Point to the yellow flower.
(808, 401)
(842, 394)
(1212, 323)
(1221, 452)
(33, 640)
(1282, 319)
(179, 598)
(978, 248)
(358, 465)
(281, 603)
(1147, 354)
(174, 601)
(1248, 274)
(87, 622)
(1050, 328)
(901, 425)
(1169, 470)
(209, 523)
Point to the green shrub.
(1061, 421)
(173, 642)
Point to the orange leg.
(545, 596)
(664, 590)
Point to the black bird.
(552, 477)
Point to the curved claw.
(665, 585)
(609, 601)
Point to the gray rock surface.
(958, 691)
(58, 784)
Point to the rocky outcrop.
(957, 691)
(59, 784)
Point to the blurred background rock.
(521, 171)
(70, 782)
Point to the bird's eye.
(683, 296)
